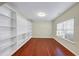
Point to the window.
(65, 29)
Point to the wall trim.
(20, 46)
(42, 37)
(65, 46)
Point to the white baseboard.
(64, 45)
(20, 46)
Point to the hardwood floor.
(43, 47)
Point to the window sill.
(66, 40)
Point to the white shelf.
(8, 49)
(4, 48)
(7, 27)
(10, 38)
(7, 16)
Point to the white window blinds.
(65, 29)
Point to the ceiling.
(52, 9)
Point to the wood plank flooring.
(43, 47)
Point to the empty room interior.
(39, 28)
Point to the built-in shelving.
(14, 30)
(7, 27)
(7, 30)
(6, 16)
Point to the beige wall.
(73, 12)
(42, 29)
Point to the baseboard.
(41, 38)
(20, 46)
(64, 46)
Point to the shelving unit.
(7, 27)
(14, 31)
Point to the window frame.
(73, 19)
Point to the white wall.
(42, 29)
(73, 12)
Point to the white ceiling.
(52, 9)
